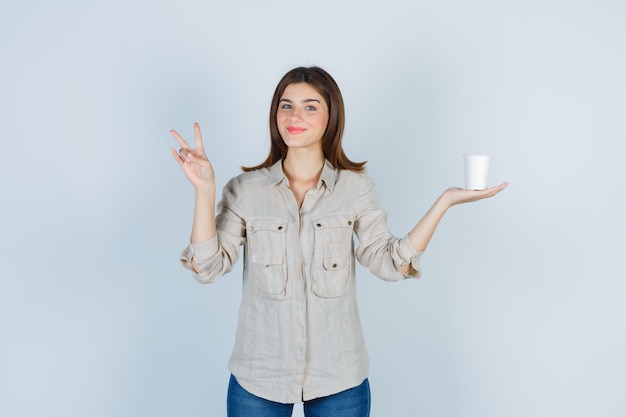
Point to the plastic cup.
(476, 171)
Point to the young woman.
(299, 336)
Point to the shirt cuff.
(200, 252)
(410, 256)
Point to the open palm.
(456, 196)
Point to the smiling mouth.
(295, 130)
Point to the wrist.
(444, 202)
(205, 192)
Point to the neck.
(303, 167)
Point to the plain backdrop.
(520, 310)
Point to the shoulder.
(249, 179)
(242, 190)
(358, 181)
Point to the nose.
(296, 116)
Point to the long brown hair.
(321, 81)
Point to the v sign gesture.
(194, 162)
(199, 171)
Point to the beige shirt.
(299, 332)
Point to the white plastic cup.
(476, 171)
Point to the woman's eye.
(311, 108)
(286, 106)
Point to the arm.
(199, 171)
(422, 233)
(203, 226)
(213, 258)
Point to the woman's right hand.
(194, 162)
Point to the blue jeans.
(354, 402)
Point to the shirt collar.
(328, 177)
(276, 173)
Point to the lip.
(294, 130)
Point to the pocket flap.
(335, 263)
(334, 221)
(273, 224)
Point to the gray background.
(520, 311)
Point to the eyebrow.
(308, 100)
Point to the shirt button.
(319, 225)
(334, 265)
(280, 228)
(349, 222)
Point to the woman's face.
(302, 116)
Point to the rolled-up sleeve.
(379, 250)
(216, 256)
(408, 255)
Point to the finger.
(177, 157)
(182, 142)
(200, 160)
(198, 137)
(496, 189)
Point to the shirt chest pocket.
(266, 243)
(334, 254)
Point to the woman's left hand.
(453, 196)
